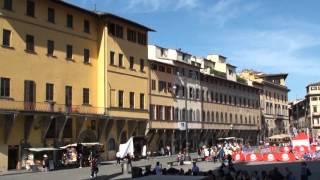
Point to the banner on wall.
(302, 140)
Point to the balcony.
(48, 107)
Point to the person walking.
(94, 167)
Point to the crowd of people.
(230, 173)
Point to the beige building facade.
(273, 100)
(207, 104)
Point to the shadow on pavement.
(105, 177)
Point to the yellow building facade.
(59, 82)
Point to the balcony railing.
(11, 105)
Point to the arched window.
(111, 145)
(190, 115)
(230, 119)
(198, 115)
(236, 118)
(208, 117)
(221, 117)
(241, 120)
(176, 114)
(226, 116)
(203, 116)
(212, 116)
(217, 117)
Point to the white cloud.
(275, 50)
(156, 5)
(222, 11)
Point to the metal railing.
(11, 105)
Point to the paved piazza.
(113, 171)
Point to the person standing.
(144, 152)
(305, 171)
(195, 169)
(45, 163)
(80, 157)
(157, 169)
(118, 157)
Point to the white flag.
(126, 148)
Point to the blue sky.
(270, 36)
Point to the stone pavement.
(113, 171)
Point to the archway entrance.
(123, 137)
(88, 136)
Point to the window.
(86, 26)
(131, 35)
(86, 56)
(169, 70)
(68, 97)
(169, 87)
(6, 38)
(142, 38)
(197, 94)
(161, 68)
(111, 58)
(162, 86)
(141, 65)
(119, 31)
(111, 29)
(29, 43)
(86, 97)
(69, 21)
(154, 66)
(7, 4)
(190, 92)
(315, 109)
(51, 15)
(4, 87)
(120, 99)
(50, 46)
(30, 8)
(120, 60)
(153, 85)
(69, 52)
(314, 99)
(131, 62)
(183, 91)
(131, 96)
(141, 101)
(49, 92)
(152, 112)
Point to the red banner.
(238, 157)
(254, 157)
(269, 157)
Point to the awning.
(43, 149)
(279, 136)
(83, 144)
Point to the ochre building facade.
(69, 75)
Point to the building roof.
(101, 14)
(314, 84)
(285, 75)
